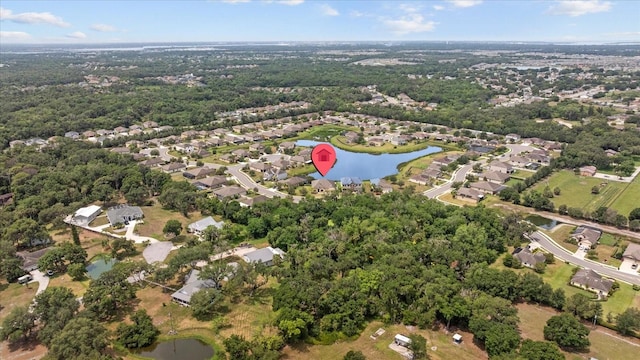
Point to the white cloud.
(14, 35)
(235, 1)
(283, 2)
(33, 18)
(438, 7)
(465, 3)
(579, 7)
(77, 35)
(289, 2)
(328, 10)
(411, 23)
(103, 28)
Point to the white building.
(85, 215)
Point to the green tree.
(501, 339)
(18, 325)
(139, 334)
(110, 293)
(634, 214)
(74, 235)
(354, 355)
(540, 350)
(54, 307)
(82, 338)
(172, 227)
(567, 331)
(205, 303)
(628, 322)
(418, 346)
(121, 248)
(237, 347)
(77, 271)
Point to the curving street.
(565, 255)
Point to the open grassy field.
(628, 200)
(14, 295)
(379, 349)
(560, 234)
(576, 190)
(522, 174)
(605, 344)
(155, 217)
(341, 142)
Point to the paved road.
(458, 175)
(561, 253)
(247, 182)
(137, 238)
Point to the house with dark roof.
(30, 259)
(592, 281)
(264, 255)
(211, 182)
(198, 173)
(173, 167)
(495, 177)
(501, 166)
(631, 256)
(586, 236)
(487, 187)
(468, 193)
(381, 186)
(527, 258)
(229, 192)
(124, 213)
(588, 170)
(246, 201)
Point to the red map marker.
(323, 157)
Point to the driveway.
(247, 182)
(41, 279)
(157, 251)
(130, 235)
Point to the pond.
(178, 349)
(541, 221)
(366, 166)
(96, 268)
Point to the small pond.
(96, 268)
(542, 221)
(178, 349)
(366, 166)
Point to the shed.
(457, 338)
(85, 215)
(401, 340)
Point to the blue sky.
(315, 20)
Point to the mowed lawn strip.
(629, 199)
(575, 190)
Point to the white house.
(85, 215)
(199, 226)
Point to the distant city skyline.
(573, 21)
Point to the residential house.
(519, 161)
(420, 179)
(240, 154)
(468, 193)
(631, 256)
(72, 135)
(351, 183)
(124, 213)
(264, 255)
(246, 201)
(375, 141)
(592, 281)
(352, 137)
(229, 192)
(152, 162)
(30, 259)
(121, 150)
(274, 174)
(527, 258)
(609, 152)
(191, 286)
(88, 134)
(198, 173)
(120, 130)
(211, 182)
(185, 148)
(6, 198)
(259, 148)
(487, 187)
(381, 186)
(85, 215)
(173, 167)
(260, 166)
(398, 140)
(495, 177)
(294, 181)
(281, 164)
(443, 161)
(286, 146)
(149, 124)
(297, 160)
(199, 226)
(586, 236)
(501, 167)
(228, 158)
(588, 170)
(322, 185)
(512, 138)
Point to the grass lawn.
(64, 280)
(623, 298)
(628, 200)
(522, 174)
(301, 171)
(379, 349)
(155, 217)
(560, 234)
(100, 220)
(605, 344)
(460, 201)
(416, 166)
(341, 142)
(14, 295)
(576, 190)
